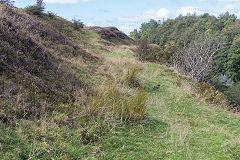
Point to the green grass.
(177, 126)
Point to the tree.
(197, 58)
(228, 63)
(37, 9)
(135, 35)
(40, 3)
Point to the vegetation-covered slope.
(83, 96)
(192, 35)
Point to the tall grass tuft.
(131, 75)
(114, 102)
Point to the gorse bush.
(230, 89)
(154, 53)
(115, 102)
(210, 94)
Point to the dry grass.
(131, 75)
(114, 101)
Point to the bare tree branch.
(196, 59)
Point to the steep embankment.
(36, 63)
(49, 68)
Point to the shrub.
(222, 82)
(114, 102)
(35, 10)
(153, 53)
(230, 89)
(77, 24)
(210, 94)
(233, 95)
(143, 50)
(51, 14)
(169, 50)
(225, 80)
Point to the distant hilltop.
(110, 33)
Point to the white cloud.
(156, 14)
(127, 28)
(228, 8)
(231, 9)
(127, 24)
(64, 1)
(192, 10)
(147, 15)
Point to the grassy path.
(179, 126)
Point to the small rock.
(157, 87)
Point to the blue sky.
(129, 14)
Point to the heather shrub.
(32, 66)
(7, 2)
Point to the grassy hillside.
(98, 101)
